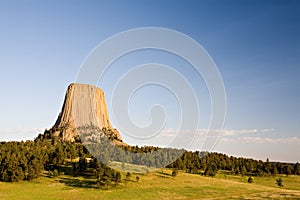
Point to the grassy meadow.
(154, 185)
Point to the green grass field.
(155, 185)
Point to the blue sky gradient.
(255, 44)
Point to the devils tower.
(83, 105)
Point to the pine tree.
(279, 182)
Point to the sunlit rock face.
(84, 105)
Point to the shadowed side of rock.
(83, 105)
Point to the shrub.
(279, 182)
(137, 178)
(174, 173)
(250, 180)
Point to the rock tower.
(83, 105)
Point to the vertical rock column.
(83, 105)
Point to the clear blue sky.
(255, 44)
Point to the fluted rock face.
(84, 105)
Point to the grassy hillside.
(156, 185)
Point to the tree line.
(209, 163)
(28, 160)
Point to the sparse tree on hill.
(250, 180)
(137, 178)
(127, 177)
(279, 182)
(174, 172)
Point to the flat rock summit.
(84, 105)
